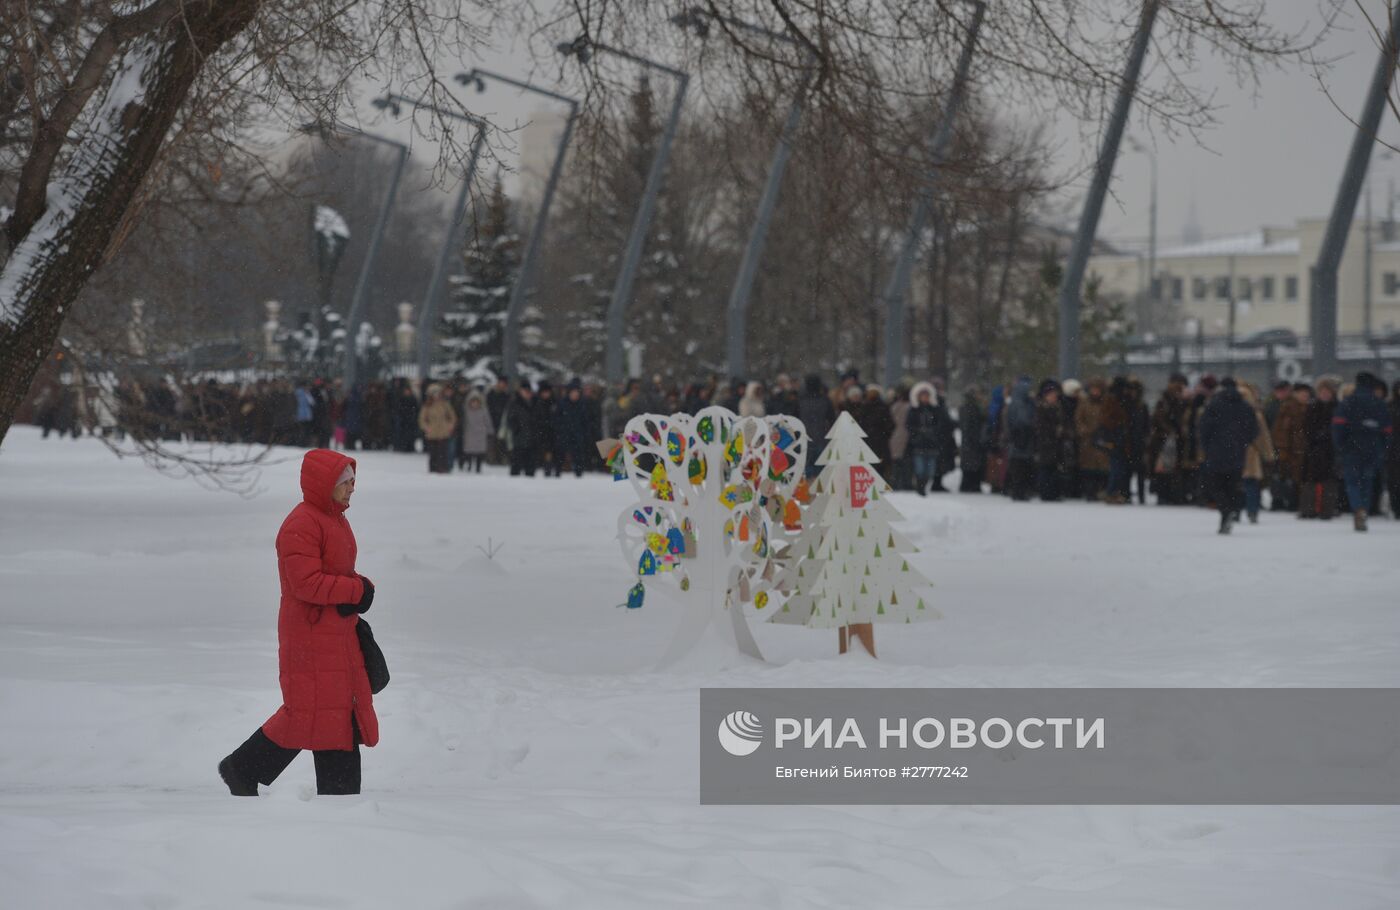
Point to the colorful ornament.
(660, 485)
(635, 596)
(647, 564)
(705, 429)
(675, 446)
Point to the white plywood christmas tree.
(849, 567)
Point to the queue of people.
(1316, 449)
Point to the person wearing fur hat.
(752, 403)
(438, 421)
(922, 422)
(476, 431)
(1361, 428)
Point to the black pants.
(1020, 474)
(337, 771)
(522, 461)
(1223, 488)
(1047, 482)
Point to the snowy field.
(530, 757)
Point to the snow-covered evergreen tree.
(850, 567)
(472, 329)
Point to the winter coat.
(1319, 463)
(817, 415)
(437, 420)
(1088, 418)
(1392, 452)
(1260, 451)
(972, 419)
(922, 423)
(751, 405)
(1020, 422)
(1228, 427)
(476, 426)
(1048, 430)
(321, 668)
(874, 418)
(1288, 439)
(899, 436)
(521, 424)
(571, 426)
(1361, 428)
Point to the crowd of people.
(1317, 449)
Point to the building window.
(1290, 287)
(1391, 282)
(1177, 288)
(1246, 291)
(1155, 291)
(1266, 287)
(1198, 288)
(1222, 288)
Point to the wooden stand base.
(864, 632)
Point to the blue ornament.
(675, 542)
(636, 596)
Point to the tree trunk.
(89, 196)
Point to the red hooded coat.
(321, 668)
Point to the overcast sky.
(1275, 156)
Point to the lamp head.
(387, 103)
(580, 48)
(694, 19)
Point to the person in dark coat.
(1049, 442)
(1020, 434)
(522, 428)
(496, 401)
(815, 411)
(546, 442)
(1139, 427)
(922, 421)
(1317, 479)
(947, 460)
(972, 424)
(327, 704)
(1392, 453)
(1228, 426)
(571, 430)
(874, 418)
(1361, 428)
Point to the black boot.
(238, 785)
(1225, 523)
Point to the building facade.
(1262, 279)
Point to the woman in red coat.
(326, 702)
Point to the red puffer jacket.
(321, 667)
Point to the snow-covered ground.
(530, 757)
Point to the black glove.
(366, 599)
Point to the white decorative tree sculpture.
(703, 529)
(848, 567)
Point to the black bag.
(375, 666)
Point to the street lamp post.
(452, 241)
(583, 49)
(898, 286)
(1072, 282)
(510, 353)
(737, 311)
(358, 299)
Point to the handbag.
(375, 666)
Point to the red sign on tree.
(862, 479)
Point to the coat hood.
(919, 389)
(320, 469)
